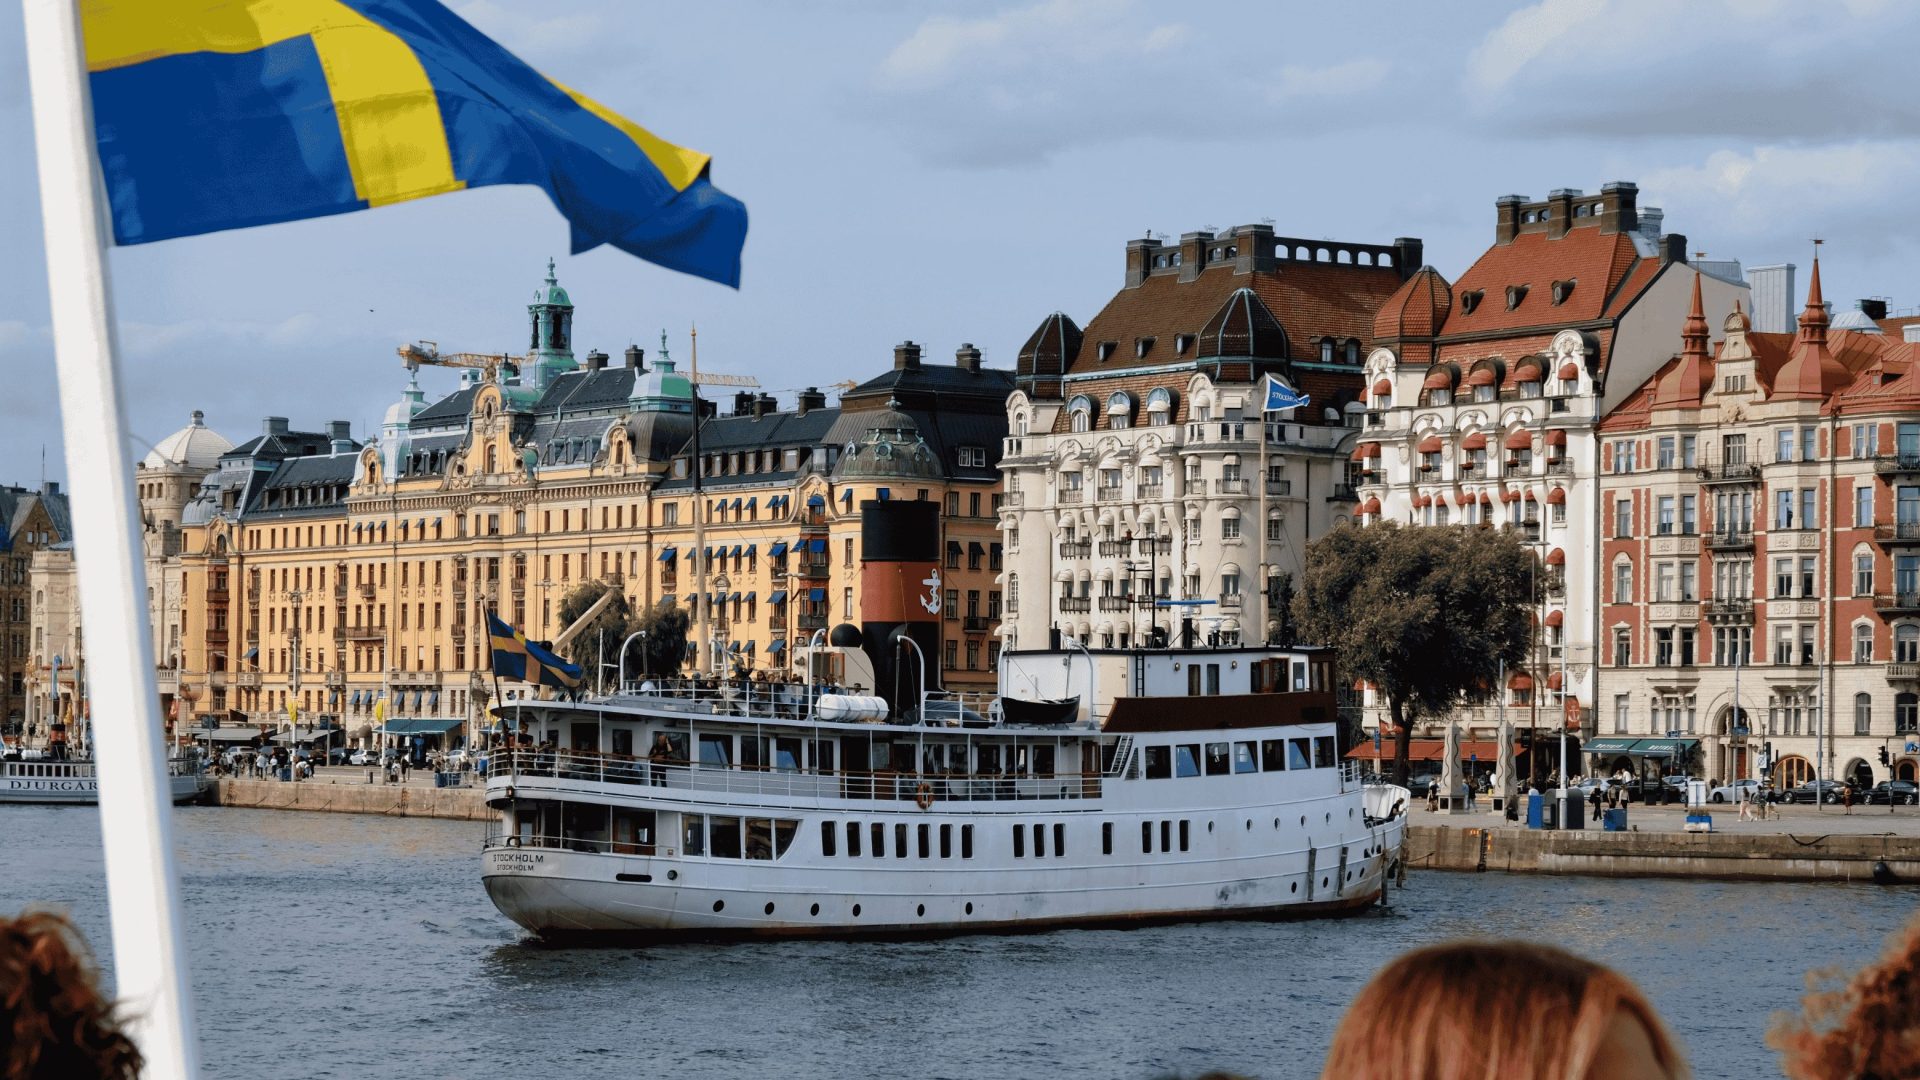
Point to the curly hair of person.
(54, 1023)
(1868, 1029)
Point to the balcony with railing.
(814, 569)
(1901, 464)
(1737, 609)
(1152, 491)
(246, 679)
(1900, 532)
(1115, 603)
(1899, 603)
(1343, 493)
(1218, 431)
(1109, 493)
(1235, 486)
(367, 590)
(1729, 539)
(366, 633)
(1071, 496)
(1076, 605)
(1013, 500)
(1903, 671)
(340, 593)
(1559, 467)
(1155, 545)
(975, 624)
(1279, 488)
(1076, 549)
(1475, 470)
(1728, 472)
(1231, 601)
(805, 622)
(1114, 548)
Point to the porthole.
(1276, 823)
(1209, 826)
(1323, 883)
(1329, 817)
(719, 905)
(969, 907)
(769, 907)
(1295, 887)
(1303, 821)
(856, 911)
(814, 910)
(1349, 875)
(921, 911)
(1249, 824)
(1349, 811)
(673, 875)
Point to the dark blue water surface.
(341, 946)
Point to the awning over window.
(1482, 377)
(1475, 441)
(1557, 437)
(816, 594)
(1556, 557)
(1569, 372)
(777, 550)
(1655, 748)
(1439, 379)
(1485, 750)
(817, 545)
(421, 726)
(1520, 681)
(667, 554)
(1520, 440)
(1556, 617)
(1430, 444)
(779, 645)
(1371, 506)
(668, 599)
(433, 700)
(779, 597)
(816, 500)
(1553, 681)
(1383, 388)
(1557, 497)
(974, 548)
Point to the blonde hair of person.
(1869, 1028)
(1491, 1010)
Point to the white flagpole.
(143, 889)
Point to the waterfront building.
(54, 631)
(1140, 467)
(1761, 510)
(30, 520)
(1482, 397)
(165, 480)
(352, 579)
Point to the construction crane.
(427, 354)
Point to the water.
(343, 946)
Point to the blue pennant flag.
(1281, 396)
(220, 114)
(514, 657)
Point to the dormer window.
(1142, 346)
(1181, 343)
(1470, 300)
(1120, 410)
(1562, 290)
(1515, 294)
(1080, 413)
(1353, 350)
(1104, 350)
(1326, 350)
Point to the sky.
(953, 172)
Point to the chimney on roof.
(340, 435)
(53, 487)
(1140, 255)
(1651, 220)
(636, 358)
(1409, 255)
(762, 405)
(1910, 332)
(1253, 250)
(810, 399)
(596, 361)
(1619, 206)
(1193, 254)
(968, 357)
(1673, 248)
(906, 355)
(1506, 218)
(743, 403)
(1560, 211)
(274, 425)
(1873, 308)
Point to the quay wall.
(392, 800)
(1722, 856)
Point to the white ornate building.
(1139, 468)
(1483, 395)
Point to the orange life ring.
(923, 796)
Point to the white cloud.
(1771, 198)
(944, 48)
(534, 30)
(1365, 73)
(149, 339)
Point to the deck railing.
(879, 786)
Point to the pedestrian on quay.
(1468, 1010)
(1746, 804)
(1595, 800)
(1433, 797)
(1846, 797)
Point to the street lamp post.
(295, 596)
(721, 584)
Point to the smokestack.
(1506, 218)
(810, 399)
(762, 405)
(900, 595)
(636, 357)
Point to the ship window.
(1019, 841)
(715, 753)
(828, 839)
(1183, 835)
(900, 840)
(1042, 762)
(784, 830)
(879, 841)
(966, 841)
(759, 838)
(1106, 838)
(1217, 761)
(853, 839)
(1273, 755)
(926, 841)
(622, 742)
(753, 751)
(1323, 752)
(723, 837)
(1059, 840)
(1159, 762)
(786, 755)
(1039, 841)
(823, 756)
(693, 834)
(1166, 836)
(946, 841)
(1243, 760)
(1299, 755)
(1186, 759)
(1146, 837)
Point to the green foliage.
(659, 653)
(664, 648)
(611, 622)
(1427, 614)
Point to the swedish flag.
(220, 114)
(514, 657)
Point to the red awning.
(1528, 495)
(1520, 681)
(1509, 496)
(1529, 369)
(1486, 498)
(1371, 506)
(1485, 750)
(1556, 557)
(1553, 681)
(1557, 497)
(1557, 437)
(1569, 372)
(1520, 440)
(1383, 388)
(1475, 441)
(1556, 617)
(1430, 444)
(1439, 379)
(1360, 452)
(1482, 377)
(1422, 501)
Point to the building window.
(1622, 709)
(1863, 644)
(1230, 527)
(1863, 574)
(1622, 646)
(1906, 643)
(1863, 506)
(1080, 413)
(1623, 517)
(1623, 582)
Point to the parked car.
(338, 755)
(1827, 791)
(1735, 792)
(1591, 784)
(1647, 790)
(1421, 782)
(364, 757)
(1898, 792)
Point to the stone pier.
(392, 800)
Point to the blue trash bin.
(1614, 820)
(1536, 811)
(286, 774)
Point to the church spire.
(1813, 321)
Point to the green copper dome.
(550, 293)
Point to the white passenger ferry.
(52, 781)
(1102, 787)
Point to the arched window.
(1159, 407)
(1326, 350)
(1863, 643)
(493, 459)
(1120, 410)
(1862, 714)
(1353, 350)
(1080, 413)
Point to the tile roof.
(1597, 263)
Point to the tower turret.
(550, 350)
